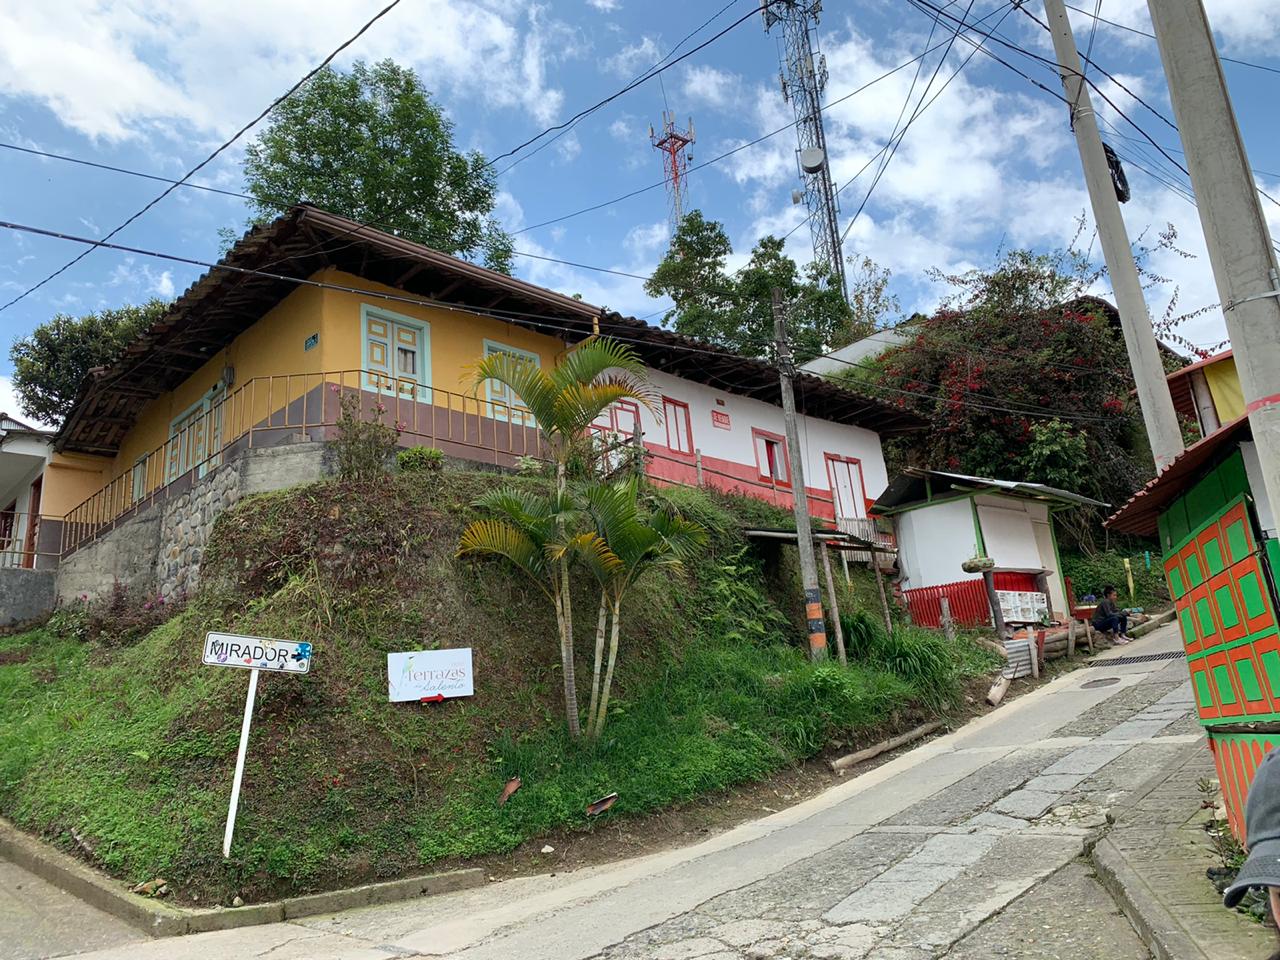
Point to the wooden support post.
(835, 605)
(697, 463)
(884, 600)
(997, 618)
(998, 690)
(1071, 636)
(1035, 653)
(948, 626)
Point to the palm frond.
(497, 538)
(525, 379)
(593, 357)
(598, 557)
(578, 405)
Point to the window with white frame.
(395, 353)
(675, 414)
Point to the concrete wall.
(933, 541)
(159, 550)
(26, 596)
(126, 554)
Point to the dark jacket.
(1106, 608)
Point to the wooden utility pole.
(799, 498)
(1144, 356)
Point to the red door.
(33, 524)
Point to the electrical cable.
(531, 319)
(211, 157)
(1152, 36)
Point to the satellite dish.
(812, 159)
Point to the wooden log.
(834, 604)
(948, 626)
(997, 618)
(849, 760)
(1071, 636)
(998, 690)
(992, 646)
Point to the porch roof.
(273, 259)
(910, 489)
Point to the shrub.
(363, 447)
(118, 620)
(532, 467)
(420, 460)
(925, 660)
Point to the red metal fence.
(968, 600)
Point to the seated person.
(1108, 618)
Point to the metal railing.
(22, 542)
(265, 411)
(268, 410)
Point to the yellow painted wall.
(1224, 387)
(70, 479)
(457, 338)
(273, 347)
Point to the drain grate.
(1143, 658)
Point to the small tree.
(623, 547)
(50, 364)
(565, 402)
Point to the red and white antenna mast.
(673, 144)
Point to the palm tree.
(565, 401)
(622, 548)
(530, 536)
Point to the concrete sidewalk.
(1153, 862)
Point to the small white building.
(943, 519)
(24, 453)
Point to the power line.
(685, 39)
(531, 319)
(209, 159)
(1152, 36)
(283, 205)
(630, 86)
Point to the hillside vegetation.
(117, 744)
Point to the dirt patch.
(21, 655)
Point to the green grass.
(128, 751)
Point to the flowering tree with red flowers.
(1022, 376)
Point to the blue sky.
(155, 86)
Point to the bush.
(923, 659)
(119, 620)
(363, 447)
(420, 460)
(1090, 574)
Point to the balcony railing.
(266, 411)
(26, 539)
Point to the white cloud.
(634, 56)
(131, 68)
(91, 226)
(1239, 25)
(569, 146)
(717, 88)
(162, 285)
(647, 238)
(10, 404)
(605, 6)
(621, 129)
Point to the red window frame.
(678, 407)
(611, 412)
(771, 437)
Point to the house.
(943, 519)
(1208, 392)
(856, 354)
(1220, 552)
(25, 451)
(229, 391)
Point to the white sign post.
(252, 654)
(429, 675)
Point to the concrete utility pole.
(1240, 251)
(799, 497)
(1144, 356)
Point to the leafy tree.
(564, 401)
(51, 363)
(1020, 375)
(869, 298)
(374, 146)
(735, 310)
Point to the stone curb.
(159, 919)
(1154, 924)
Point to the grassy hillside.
(116, 743)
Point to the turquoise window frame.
(423, 376)
(202, 405)
(497, 346)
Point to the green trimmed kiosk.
(1220, 552)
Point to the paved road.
(968, 846)
(38, 920)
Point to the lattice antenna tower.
(804, 78)
(673, 144)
